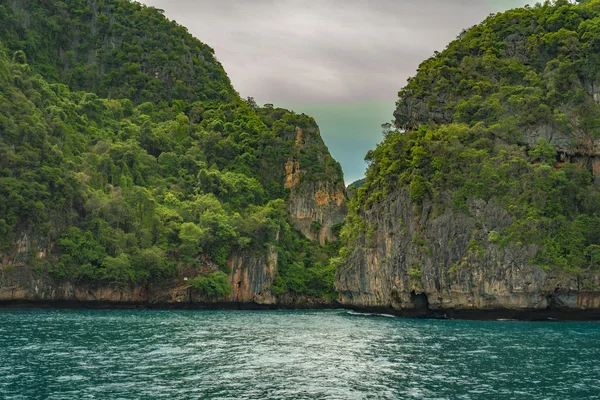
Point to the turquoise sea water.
(75, 354)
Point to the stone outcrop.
(428, 258)
(413, 112)
(251, 278)
(420, 261)
(317, 201)
(294, 163)
(316, 207)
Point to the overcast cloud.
(326, 56)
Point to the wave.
(366, 314)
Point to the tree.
(118, 270)
(19, 57)
(251, 102)
(215, 284)
(386, 129)
(191, 236)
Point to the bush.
(215, 284)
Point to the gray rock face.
(421, 260)
(316, 203)
(593, 89)
(425, 258)
(563, 142)
(412, 112)
(320, 202)
(251, 278)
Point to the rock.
(428, 258)
(418, 256)
(317, 200)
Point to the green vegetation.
(114, 48)
(357, 184)
(310, 151)
(416, 277)
(496, 104)
(304, 268)
(354, 186)
(123, 143)
(215, 284)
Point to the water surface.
(79, 354)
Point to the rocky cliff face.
(317, 201)
(314, 180)
(418, 262)
(416, 251)
(251, 277)
(22, 281)
(242, 170)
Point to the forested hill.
(127, 159)
(114, 48)
(488, 194)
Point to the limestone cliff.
(315, 181)
(23, 282)
(317, 202)
(156, 172)
(418, 263)
(461, 212)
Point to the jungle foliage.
(477, 122)
(123, 142)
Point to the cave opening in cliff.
(421, 302)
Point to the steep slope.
(171, 191)
(487, 196)
(317, 202)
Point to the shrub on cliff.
(215, 284)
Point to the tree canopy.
(123, 142)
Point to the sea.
(336, 354)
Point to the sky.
(339, 61)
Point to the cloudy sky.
(340, 61)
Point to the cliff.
(317, 201)
(251, 279)
(314, 181)
(483, 199)
(131, 169)
(444, 264)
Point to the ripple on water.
(70, 354)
